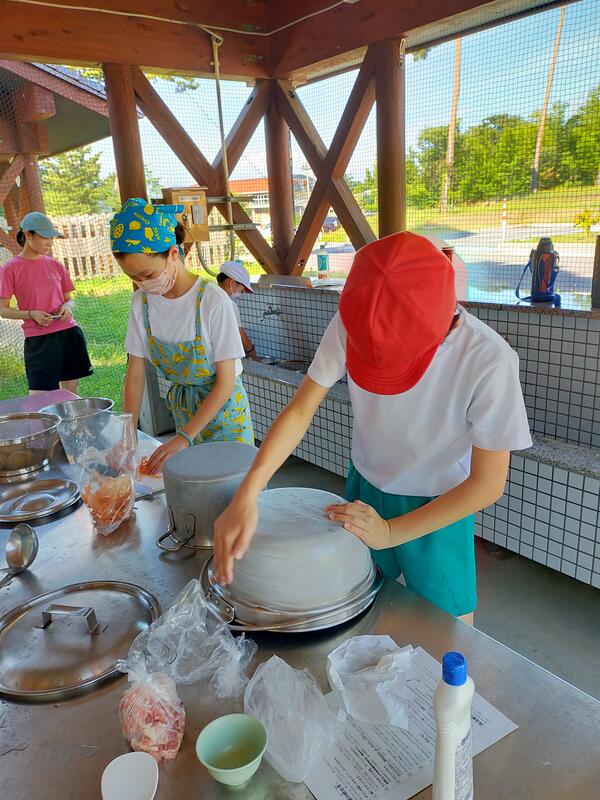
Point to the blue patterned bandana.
(140, 227)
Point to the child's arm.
(483, 487)
(133, 391)
(7, 312)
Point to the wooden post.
(596, 276)
(391, 173)
(33, 187)
(281, 200)
(125, 131)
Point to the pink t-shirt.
(39, 284)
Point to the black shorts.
(54, 357)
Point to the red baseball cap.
(397, 308)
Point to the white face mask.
(163, 282)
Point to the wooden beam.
(391, 172)
(10, 175)
(243, 128)
(281, 198)
(62, 87)
(10, 244)
(340, 197)
(125, 131)
(40, 33)
(33, 186)
(171, 130)
(354, 25)
(334, 165)
(246, 15)
(36, 104)
(197, 165)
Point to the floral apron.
(184, 365)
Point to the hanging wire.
(217, 41)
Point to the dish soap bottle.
(453, 765)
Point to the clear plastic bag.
(183, 646)
(153, 717)
(300, 724)
(103, 445)
(368, 674)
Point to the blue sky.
(503, 70)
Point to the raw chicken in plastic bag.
(104, 446)
(300, 725)
(183, 646)
(369, 674)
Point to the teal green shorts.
(439, 566)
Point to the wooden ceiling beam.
(199, 167)
(344, 141)
(355, 25)
(245, 15)
(40, 33)
(340, 196)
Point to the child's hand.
(63, 313)
(364, 522)
(41, 318)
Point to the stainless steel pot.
(27, 442)
(81, 407)
(200, 482)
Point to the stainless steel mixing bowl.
(27, 442)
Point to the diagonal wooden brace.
(199, 167)
(334, 163)
(339, 193)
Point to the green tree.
(72, 184)
(584, 141)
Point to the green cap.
(39, 223)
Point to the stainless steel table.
(61, 750)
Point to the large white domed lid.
(298, 558)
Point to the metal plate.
(53, 646)
(36, 499)
(236, 616)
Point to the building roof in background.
(250, 186)
(81, 112)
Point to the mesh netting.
(503, 146)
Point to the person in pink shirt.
(55, 350)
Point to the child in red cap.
(437, 407)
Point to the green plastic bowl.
(231, 748)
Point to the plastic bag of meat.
(185, 645)
(153, 717)
(104, 445)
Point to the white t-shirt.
(236, 311)
(173, 321)
(419, 442)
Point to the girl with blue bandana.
(185, 327)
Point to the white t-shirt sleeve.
(497, 413)
(329, 363)
(136, 341)
(224, 331)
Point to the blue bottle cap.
(454, 669)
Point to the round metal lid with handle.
(68, 641)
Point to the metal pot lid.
(36, 499)
(241, 617)
(68, 641)
(212, 461)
